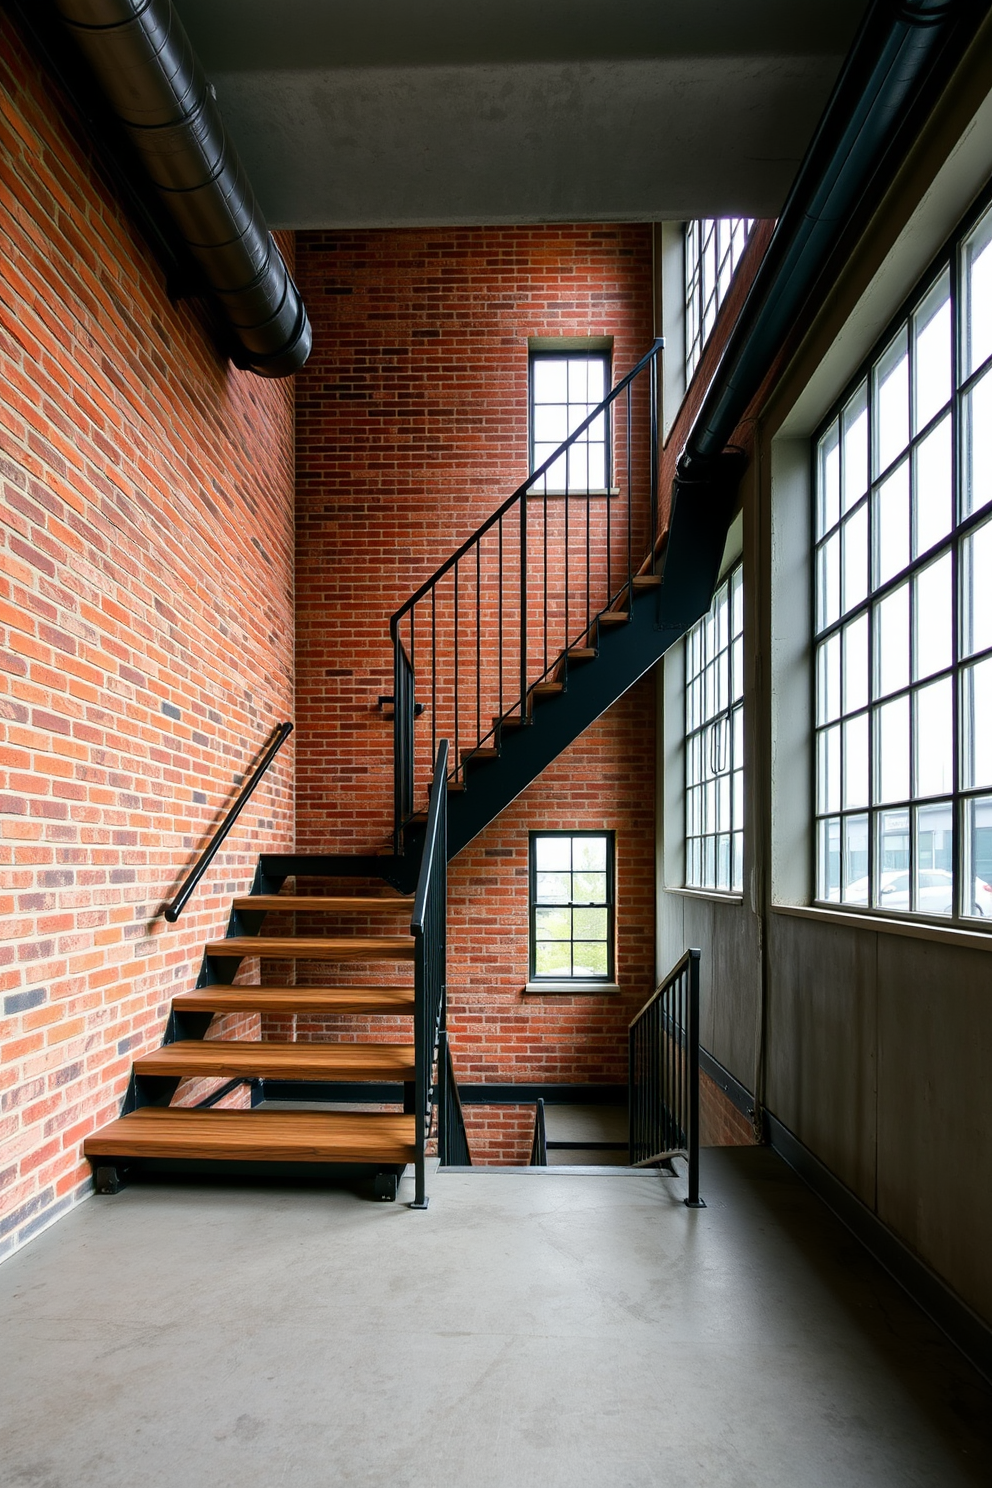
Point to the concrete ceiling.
(392, 113)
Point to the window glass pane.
(828, 504)
(854, 430)
(892, 641)
(934, 501)
(934, 859)
(589, 852)
(855, 863)
(589, 924)
(553, 852)
(553, 924)
(550, 424)
(550, 380)
(976, 488)
(828, 861)
(828, 585)
(828, 675)
(976, 264)
(589, 959)
(553, 888)
(891, 383)
(976, 725)
(892, 750)
(976, 590)
(738, 882)
(856, 558)
(828, 773)
(553, 958)
(856, 664)
(976, 898)
(589, 888)
(892, 525)
(856, 761)
(892, 890)
(933, 739)
(933, 618)
(932, 371)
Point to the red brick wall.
(145, 641)
(411, 429)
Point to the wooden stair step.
(219, 999)
(513, 722)
(259, 1136)
(647, 581)
(547, 689)
(317, 903)
(582, 653)
(340, 948)
(614, 617)
(230, 1058)
(479, 754)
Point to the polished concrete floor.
(529, 1330)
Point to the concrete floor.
(529, 1331)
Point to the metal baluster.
(630, 508)
(545, 591)
(653, 392)
(523, 607)
(434, 672)
(568, 503)
(478, 641)
(693, 1200)
(455, 740)
(609, 559)
(589, 559)
(499, 707)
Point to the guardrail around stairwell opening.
(664, 1075)
(506, 614)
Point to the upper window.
(903, 609)
(713, 249)
(714, 743)
(565, 388)
(571, 906)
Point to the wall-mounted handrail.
(429, 930)
(175, 909)
(663, 1081)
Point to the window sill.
(573, 989)
(713, 896)
(972, 940)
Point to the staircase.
(520, 641)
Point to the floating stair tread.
(513, 722)
(340, 948)
(582, 653)
(647, 581)
(259, 1136)
(317, 903)
(547, 689)
(614, 617)
(479, 754)
(229, 1058)
(220, 999)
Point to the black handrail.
(539, 1146)
(664, 1075)
(452, 1138)
(175, 909)
(429, 930)
(521, 601)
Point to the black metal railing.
(175, 909)
(539, 1146)
(429, 930)
(504, 614)
(452, 1138)
(664, 1075)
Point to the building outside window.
(565, 388)
(903, 609)
(714, 247)
(714, 743)
(571, 907)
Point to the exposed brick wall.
(145, 640)
(720, 1122)
(411, 429)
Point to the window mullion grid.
(958, 864)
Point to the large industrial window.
(903, 608)
(571, 906)
(565, 388)
(714, 247)
(714, 743)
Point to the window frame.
(595, 353)
(539, 980)
(702, 301)
(949, 546)
(733, 581)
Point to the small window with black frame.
(565, 388)
(571, 907)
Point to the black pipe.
(901, 59)
(145, 63)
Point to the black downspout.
(145, 64)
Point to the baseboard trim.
(954, 1317)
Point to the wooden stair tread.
(547, 689)
(647, 581)
(229, 1058)
(316, 903)
(260, 1136)
(614, 617)
(582, 653)
(479, 754)
(219, 999)
(330, 948)
(513, 722)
